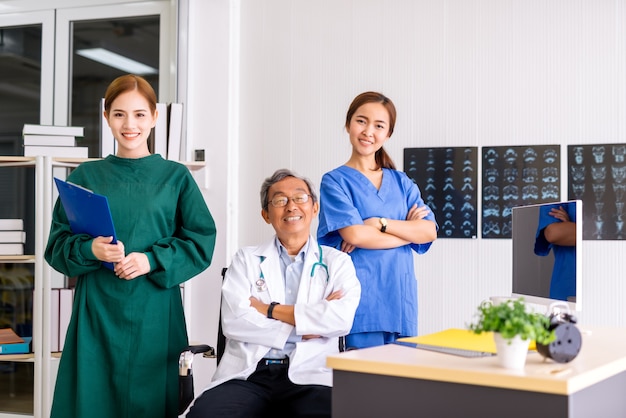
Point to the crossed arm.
(285, 313)
(563, 232)
(414, 229)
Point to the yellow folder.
(458, 338)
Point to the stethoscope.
(262, 286)
(320, 263)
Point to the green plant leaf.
(511, 318)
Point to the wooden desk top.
(602, 355)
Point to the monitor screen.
(547, 253)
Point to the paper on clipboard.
(87, 212)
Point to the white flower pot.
(511, 353)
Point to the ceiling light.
(106, 57)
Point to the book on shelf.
(160, 131)
(53, 130)
(11, 248)
(8, 336)
(50, 140)
(16, 348)
(54, 319)
(175, 122)
(108, 145)
(66, 300)
(69, 152)
(12, 236)
(11, 224)
(11, 343)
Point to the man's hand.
(258, 305)
(337, 294)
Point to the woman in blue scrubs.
(376, 214)
(556, 231)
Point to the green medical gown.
(120, 357)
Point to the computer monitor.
(545, 272)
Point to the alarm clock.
(568, 340)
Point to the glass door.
(97, 44)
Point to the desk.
(399, 381)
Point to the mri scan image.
(597, 176)
(516, 176)
(448, 181)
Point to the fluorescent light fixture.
(106, 57)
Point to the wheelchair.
(185, 373)
(185, 362)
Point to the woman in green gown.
(120, 357)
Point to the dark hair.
(383, 160)
(129, 82)
(279, 175)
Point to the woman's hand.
(132, 266)
(416, 213)
(560, 214)
(105, 251)
(346, 247)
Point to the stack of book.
(11, 343)
(53, 141)
(12, 237)
(61, 312)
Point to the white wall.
(207, 105)
(461, 73)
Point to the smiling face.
(131, 122)
(291, 222)
(369, 128)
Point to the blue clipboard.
(87, 212)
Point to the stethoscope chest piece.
(261, 286)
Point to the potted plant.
(513, 326)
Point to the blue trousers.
(268, 392)
(370, 339)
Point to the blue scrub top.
(389, 288)
(563, 281)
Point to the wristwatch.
(383, 224)
(270, 309)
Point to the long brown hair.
(129, 82)
(383, 160)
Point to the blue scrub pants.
(370, 339)
(268, 392)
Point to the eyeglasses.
(299, 199)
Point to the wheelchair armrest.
(185, 361)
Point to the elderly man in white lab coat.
(284, 305)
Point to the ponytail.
(383, 160)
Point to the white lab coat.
(250, 335)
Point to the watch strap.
(270, 309)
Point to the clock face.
(566, 346)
